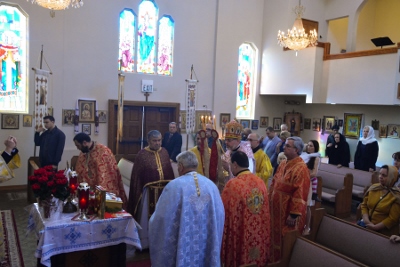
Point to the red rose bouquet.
(45, 182)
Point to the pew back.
(362, 245)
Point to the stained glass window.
(147, 28)
(13, 62)
(165, 45)
(127, 40)
(245, 94)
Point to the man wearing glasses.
(288, 195)
(263, 164)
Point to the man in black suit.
(172, 141)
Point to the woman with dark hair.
(380, 208)
(338, 151)
(396, 163)
(312, 159)
(367, 151)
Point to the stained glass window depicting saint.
(13, 47)
(127, 40)
(245, 94)
(147, 28)
(165, 45)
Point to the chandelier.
(296, 38)
(58, 4)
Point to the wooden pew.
(298, 252)
(359, 244)
(361, 179)
(337, 189)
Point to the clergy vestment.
(200, 167)
(288, 195)
(186, 227)
(247, 221)
(98, 167)
(149, 166)
(7, 165)
(263, 164)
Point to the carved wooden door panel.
(139, 118)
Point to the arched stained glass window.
(165, 45)
(245, 94)
(127, 40)
(147, 29)
(13, 63)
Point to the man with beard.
(96, 165)
(233, 144)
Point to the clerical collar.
(236, 149)
(256, 149)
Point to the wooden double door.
(138, 119)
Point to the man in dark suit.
(172, 141)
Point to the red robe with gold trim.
(246, 236)
(288, 195)
(99, 167)
(149, 166)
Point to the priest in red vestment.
(152, 163)
(288, 195)
(96, 165)
(246, 238)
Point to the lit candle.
(202, 119)
(215, 123)
(83, 196)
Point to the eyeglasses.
(289, 146)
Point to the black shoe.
(315, 197)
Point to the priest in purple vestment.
(152, 163)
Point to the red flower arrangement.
(46, 182)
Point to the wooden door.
(139, 118)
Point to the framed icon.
(87, 110)
(27, 120)
(277, 124)
(263, 122)
(316, 124)
(10, 121)
(87, 128)
(68, 116)
(307, 124)
(352, 125)
(254, 124)
(245, 123)
(224, 118)
(102, 114)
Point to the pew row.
(361, 179)
(298, 252)
(337, 189)
(360, 244)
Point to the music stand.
(382, 41)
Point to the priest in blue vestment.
(187, 226)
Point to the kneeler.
(147, 205)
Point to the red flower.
(35, 186)
(50, 184)
(32, 178)
(46, 182)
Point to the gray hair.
(284, 127)
(172, 123)
(298, 143)
(153, 134)
(188, 160)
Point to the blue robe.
(185, 229)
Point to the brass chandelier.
(58, 4)
(296, 38)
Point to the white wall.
(81, 48)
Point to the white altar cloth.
(59, 234)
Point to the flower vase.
(45, 205)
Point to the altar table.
(59, 234)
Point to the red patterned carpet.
(10, 249)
